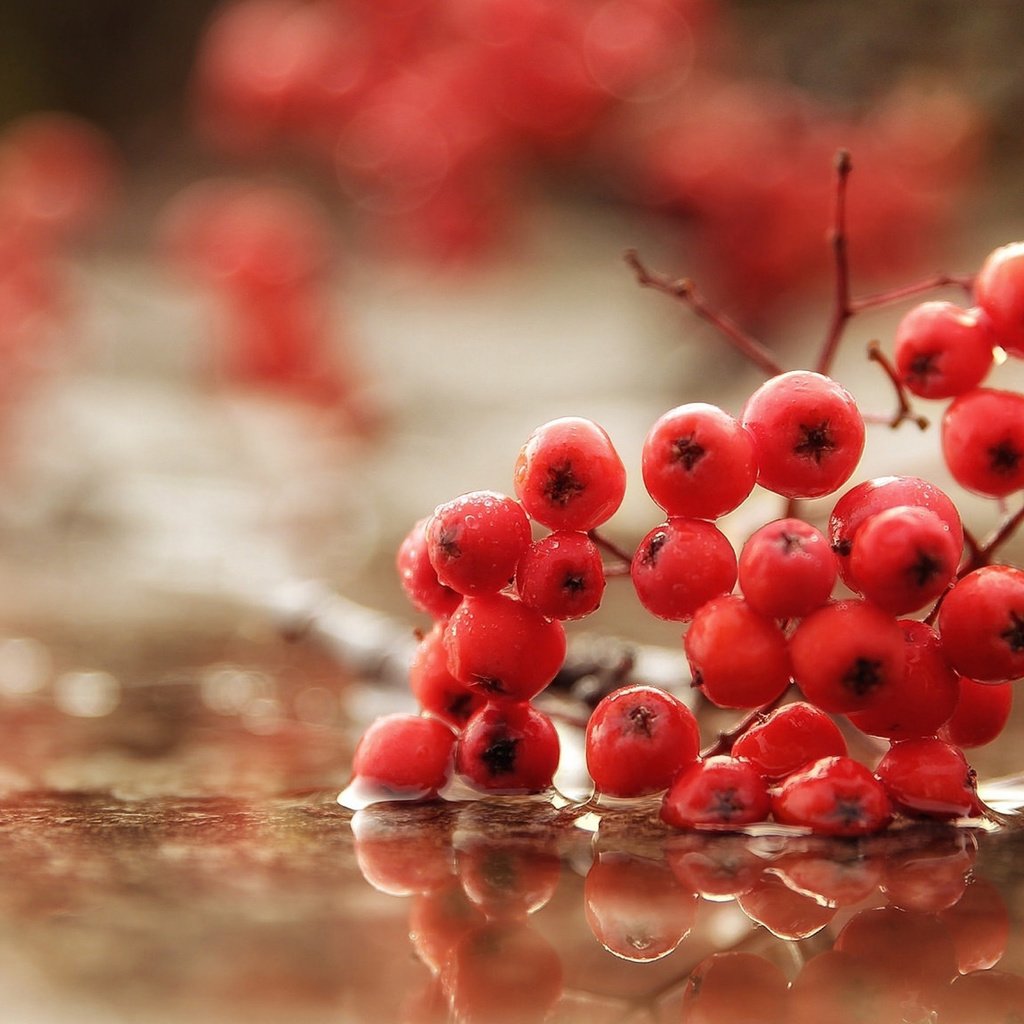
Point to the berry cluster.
(879, 620)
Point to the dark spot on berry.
(1004, 458)
(696, 678)
(815, 441)
(448, 542)
(1014, 633)
(725, 804)
(687, 451)
(848, 810)
(574, 583)
(562, 484)
(923, 366)
(654, 545)
(843, 548)
(642, 716)
(499, 871)
(924, 569)
(500, 756)
(490, 684)
(790, 542)
(863, 676)
(460, 706)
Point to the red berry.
(839, 988)
(680, 565)
(499, 647)
(922, 699)
(942, 350)
(980, 926)
(725, 988)
(999, 290)
(982, 996)
(783, 911)
(981, 622)
(718, 792)
(419, 579)
(569, 476)
(508, 748)
(717, 867)
(983, 441)
(981, 714)
(808, 434)
(846, 655)
(474, 541)
(835, 796)
(786, 569)
(929, 778)
(438, 692)
(505, 879)
(406, 756)
(903, 558)
(932, 876)
(788, 739)
(561, 575)
(738, 658)
(698, 461)
(637, 739)
(867, 499)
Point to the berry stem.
(686, 292)
(611, 547)
(842, 309)
(724, 743)
(981, 553)
(904, 411)
(910, 291)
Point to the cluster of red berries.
(499, 598)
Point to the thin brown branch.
(724, 742)
(981, 553)
(613, 549)
(904, 411)
(910, 291)
(841, 310)
(686, 292)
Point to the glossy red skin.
(475, 541)
(979, 923)
(859, 503)
(785, 912)
(981, 622)
(830, 874)
(636, 908)
(438, 692)
(786, 569)
(569, 476)
(983, 441)
(718, 793)
(941, 350)
(846, 655)
(405, 862)
(785, 414)
(501, 648)
(835, 796)
(925, 696)
(418, 578)
(508, 748)
(407, 756)
(561, 575)
(738, 658)
(680, 565)
(999, 290)
(437, 921)
(981, 713)
(790, 738)
(982, 996)
(929, 778)
(903, 559)
(637, 739)
(724, 987)
(698, 461)
(716, 866)
(932, 877)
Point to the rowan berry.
(561, 575)
(869, 498)
(783, 911)
(981, 622)
(929, 778)
(833, 874)
(398, 859)
(786, 569)
(981, 713)
(719, 793)
(500, 647)
(788, 739)
(508, 747)
(835, 796)
(982, 996)
(738, 658)
(979, 923)
(924, 696)
(808, 434)
(474, 542)
(637, 740)
(983, 441)
(846, 655)
(903, 558)
(569, 476)
(932, 876)
(698, 461)
(405, 757)
(438, 692)
(505, 879)
(999, 290)
(941, 350)
(718, 867)
(680, 565)
(419, 579)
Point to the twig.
(724, 743)
(685, 291)
(981, 553)
(904, 411)
(841, 310)
(910, 291)
(611, 547)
